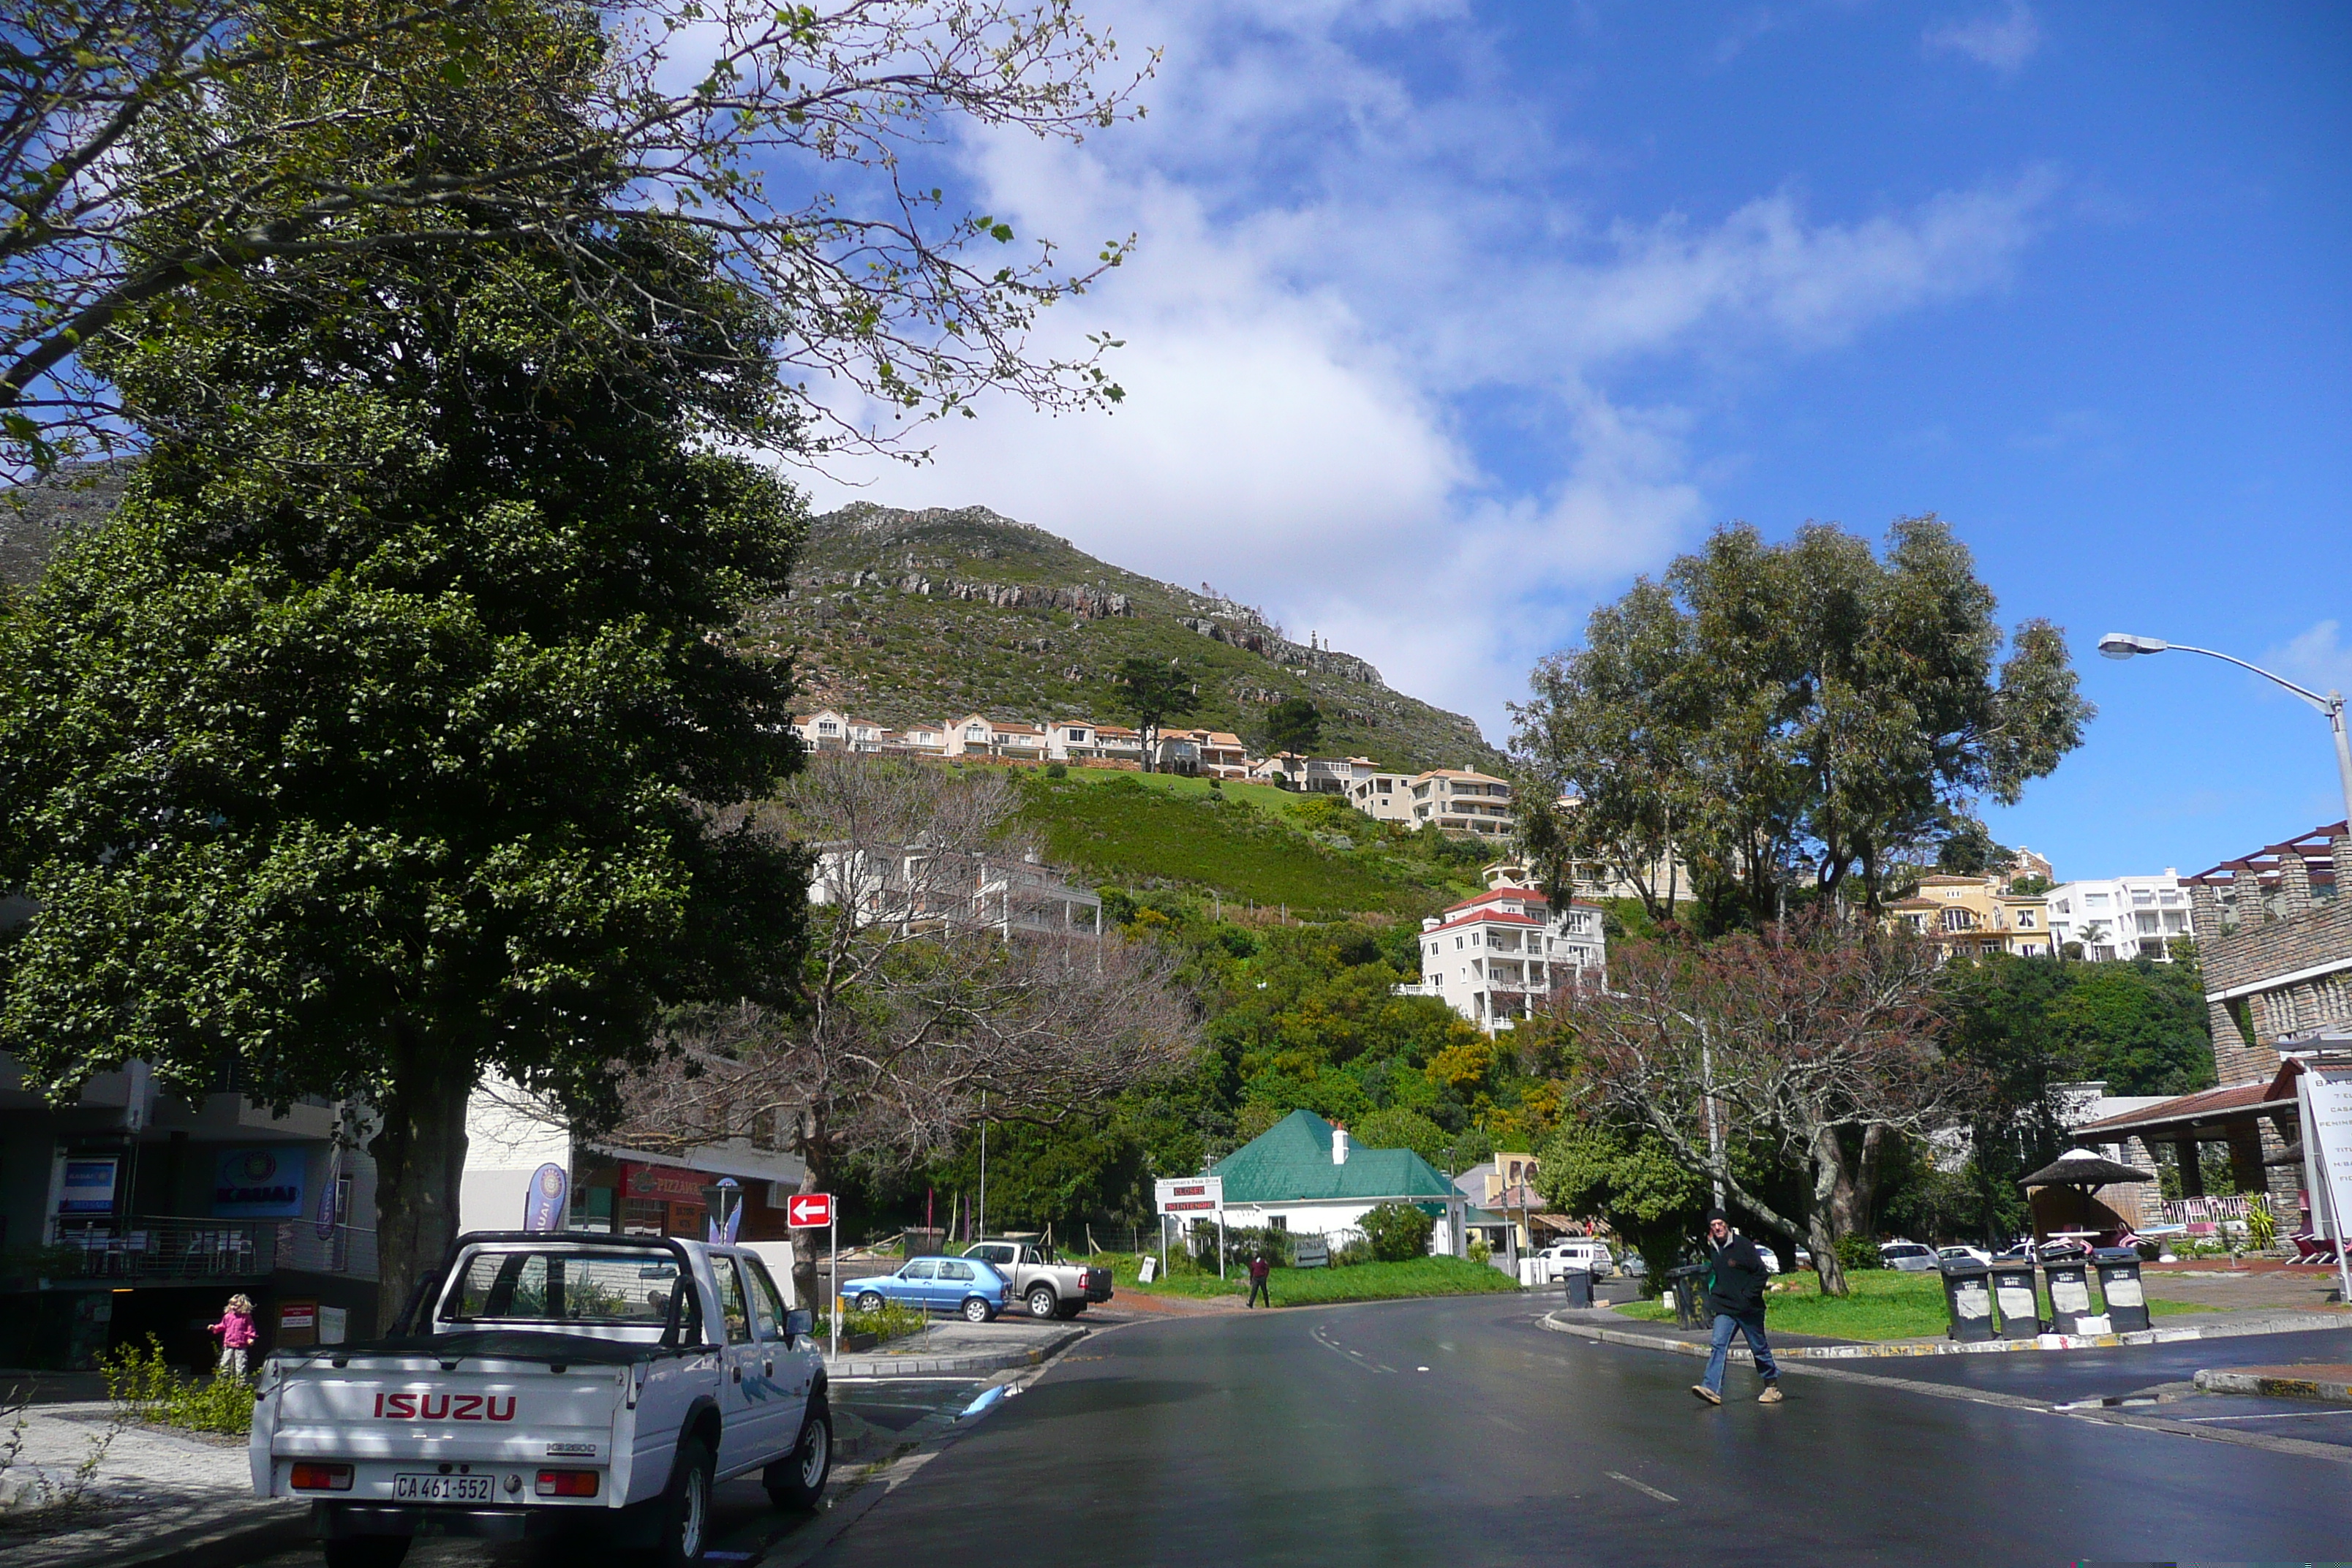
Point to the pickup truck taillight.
(566, 1483)
(310, 1478)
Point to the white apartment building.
(2120, 917)
(828, 730)
(1501, 954)
(1455, 800)
(1387, 796)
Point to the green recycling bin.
(1968, 1297)
(2013, 1292)
(2069, 1282)
(2118, 1269)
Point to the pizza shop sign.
(668, 1182)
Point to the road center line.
(2266, 1415)
(1643, 1487)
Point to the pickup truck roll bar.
(403, 1324)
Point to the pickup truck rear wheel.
(798, 1483)
(685, 1507)
(976, 1311)
(365, 1550)
(1043, 1301)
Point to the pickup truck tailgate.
(412, 1410)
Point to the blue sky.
(1449, 319)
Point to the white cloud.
(1371, 345)
(2318, 657)
(2004, 42)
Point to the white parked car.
(1764, 1250)
(1953, 1254)
(550, 1384)
(1591, 1257)
(1907, 1255)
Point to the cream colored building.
(1975, 915)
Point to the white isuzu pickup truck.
(551, 1383)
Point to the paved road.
(1457, 1432)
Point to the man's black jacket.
(1735, 1279)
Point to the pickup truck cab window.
(528, 1286)
(732, 1311)
(767, 1310)
(994, 1254)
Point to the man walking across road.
(1736, 1276)
(1259, 1269)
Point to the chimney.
(1339, 1145)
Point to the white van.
(1580, 1253)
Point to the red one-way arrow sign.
(805, 1210)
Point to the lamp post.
(2123, 645)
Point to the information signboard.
(2326, 1096)
(1190, 1194)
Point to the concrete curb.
(2284, 1323)
(2268, 1381)
(938, 1366)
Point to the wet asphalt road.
(1316, 1435)
(1457, 1432)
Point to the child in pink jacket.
(234, 1331)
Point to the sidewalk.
(955, 1348)
(1599, 1324)
(155, 1496)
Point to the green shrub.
(1479, 1251)
(1398, 1231)
(1056, 770)
(1858, 1252)
(145, 1387)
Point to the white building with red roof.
(1501, 956)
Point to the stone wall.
(2279, 931)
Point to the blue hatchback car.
(965, 1286)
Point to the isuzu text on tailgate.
(550, 1383)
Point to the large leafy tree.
(1151, 693)
(1802, 718)
(387, 734)
(791, 137)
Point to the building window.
(1958, 920)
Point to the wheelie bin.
(2013, 1292)
(2118, 1269)
(1968, 1298)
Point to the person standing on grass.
(1736, 1276)
(1259, 1272)
(234, 1331)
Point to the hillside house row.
(1453, 800)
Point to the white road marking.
(2272, 1416)
(1421, 1369)
(1644, 1489)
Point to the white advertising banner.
(2327, 1094)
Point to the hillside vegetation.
(1311, 856)
(906, 617)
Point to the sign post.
(806, 1211)
(2326, 1096)
(1191, 1194)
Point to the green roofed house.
(1305, 1175)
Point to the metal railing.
(162, 1250)
(2205, 1211)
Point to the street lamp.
(2123, 645)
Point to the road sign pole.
(833, 1276)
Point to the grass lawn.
(1133, 827)
(1885, 1305)
(1320, 1287)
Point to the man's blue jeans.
(1725, 1325)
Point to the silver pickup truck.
(1042, 1282)
(551, 1384)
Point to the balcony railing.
(2205, 1211)
(161, 1250)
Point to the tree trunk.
(420, 1155)
(1831, 1190)
(808, 1242)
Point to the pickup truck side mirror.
(798, 1322)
